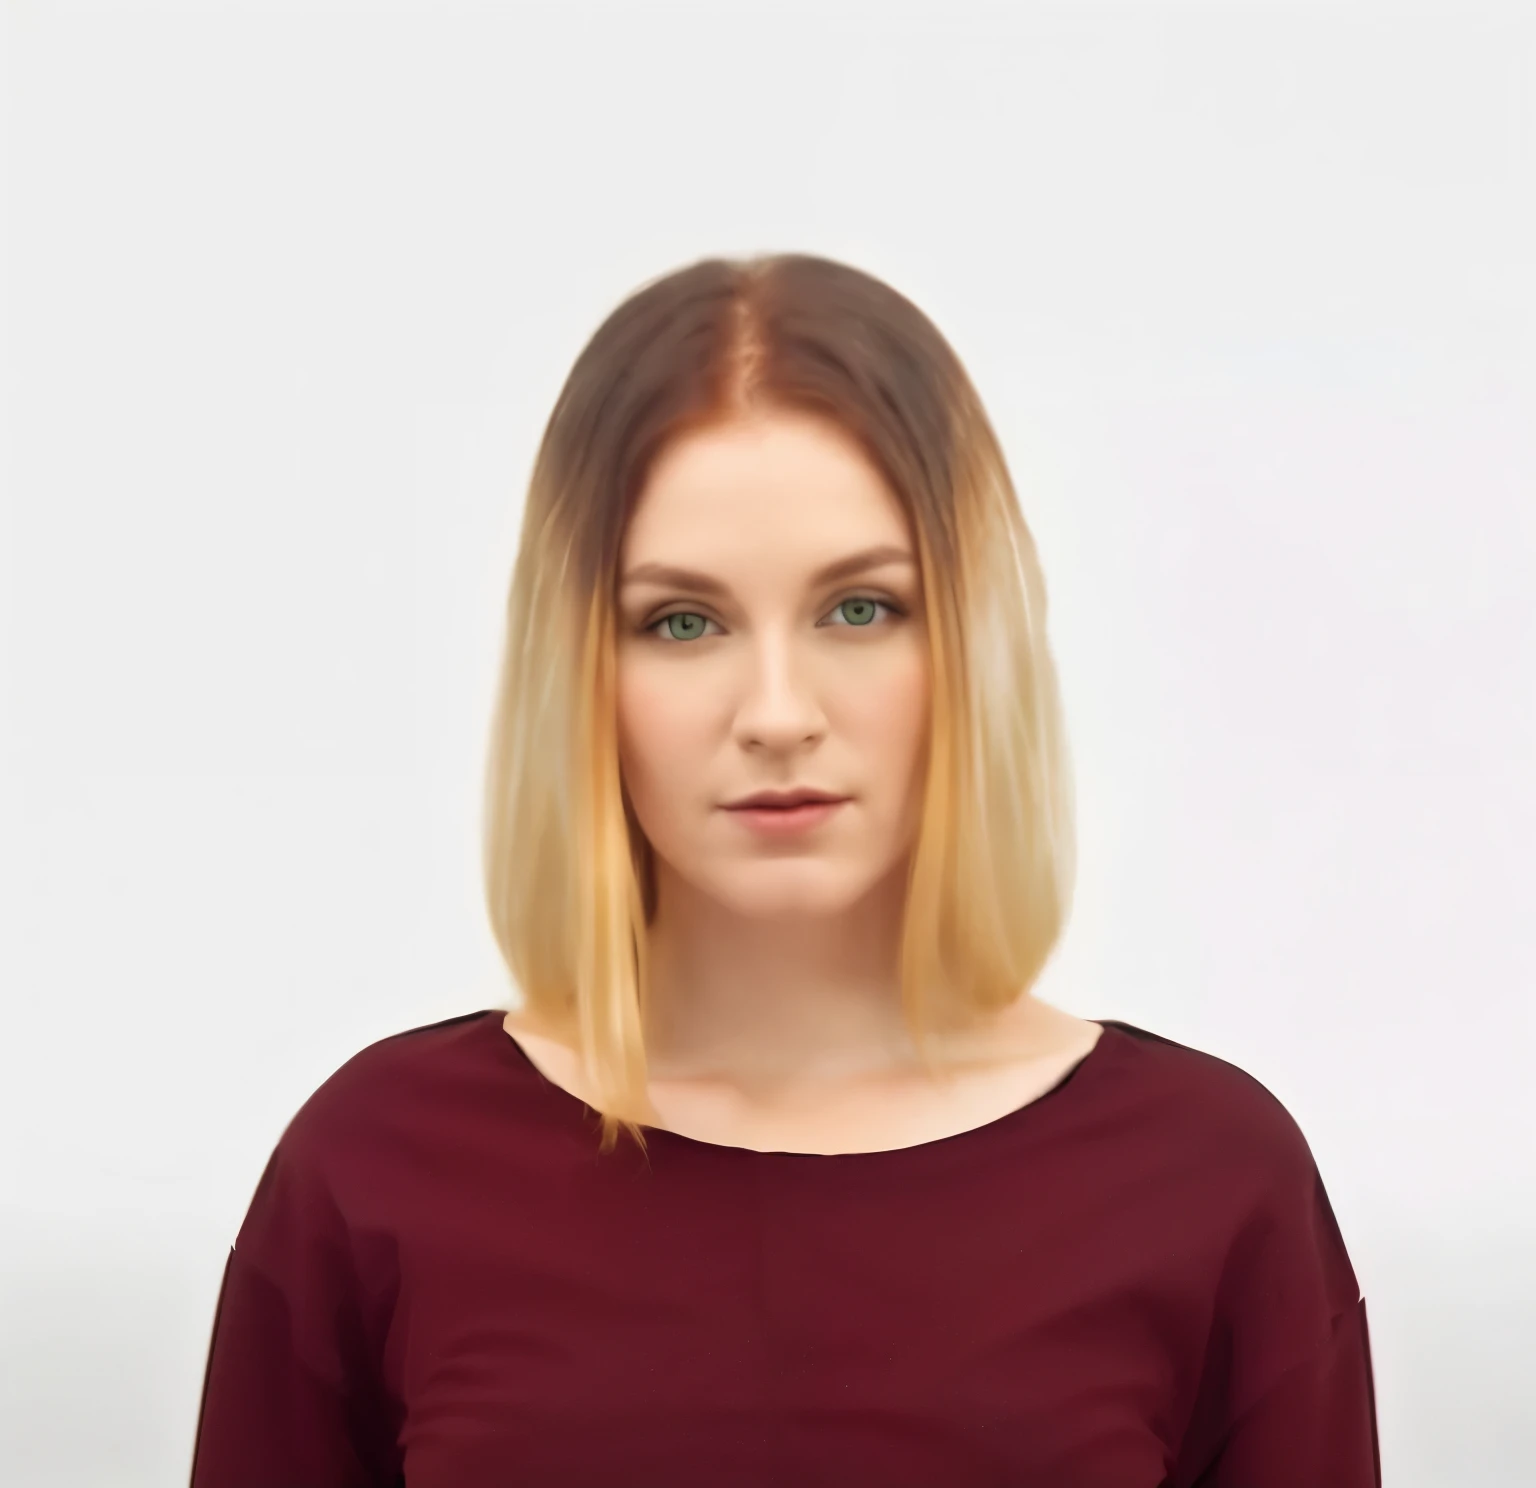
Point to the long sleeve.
(291, 1395)
(1316, 1425)
(1287, 1397)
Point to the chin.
(775, 890)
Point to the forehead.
(775, 478)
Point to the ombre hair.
(569, 876)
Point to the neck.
(800, 999)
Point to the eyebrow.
(665, 574)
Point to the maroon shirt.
(1133, 1281)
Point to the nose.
(778, 707)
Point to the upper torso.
(440, 1281)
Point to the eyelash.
(652, 627)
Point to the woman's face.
(749, 668)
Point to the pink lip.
(785, 821)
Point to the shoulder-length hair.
(569, 876)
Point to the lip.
(787, 821)
(803, 796)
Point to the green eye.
(692, 625)
(858, 612)
(865, 607)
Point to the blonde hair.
(569, 877)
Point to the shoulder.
(1234, 1158)
(1209, 1105)
(387, 1079)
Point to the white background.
(291, 290)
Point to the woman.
(896, 1220)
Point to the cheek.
(655, 733)
(890, 711)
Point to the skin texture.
(774, 1019)
(772, 960)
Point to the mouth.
(777, 819)
(771, 807)
(784, 801)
